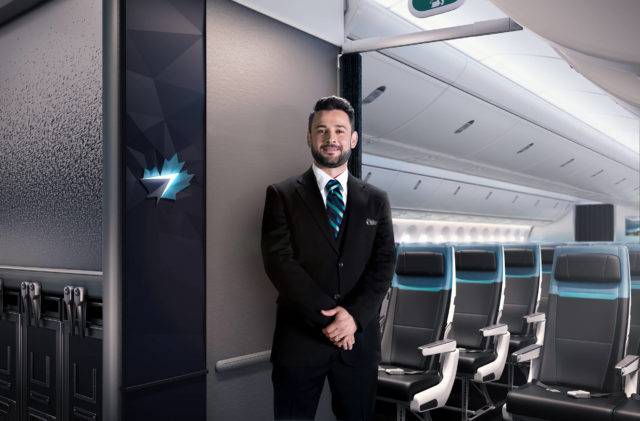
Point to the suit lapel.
(357, 198)
(307, 188)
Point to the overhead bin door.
(412, 191)
(399, 102)
(435, 128)
(379, 177)
(524, 145)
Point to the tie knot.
(332, 185)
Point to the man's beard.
(325, 162)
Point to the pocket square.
(371, 222)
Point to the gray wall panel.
(50, 137)
(263, 78)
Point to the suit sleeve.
(291, 280)
(363, 303)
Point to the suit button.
(337, 297)
(341, 264)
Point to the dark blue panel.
(164, 278)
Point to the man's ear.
(354, 139)
(308, 139)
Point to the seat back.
(479, 280)
(522, 285)
(587, 318)
(546, 258)
(418, 311)
(633, 346)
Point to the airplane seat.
(630, 410)
(479, 290)
(547, 262)
(522, 270)
(483, 342)
(634, 331)
(414, 333)
(581, 373)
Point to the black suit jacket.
(312, 271)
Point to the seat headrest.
(591, 267)
(634, 263)
(476, 260)
(420, 263)
(547, 256)
(523, 258)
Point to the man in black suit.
(327, 246)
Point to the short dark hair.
(329, 103)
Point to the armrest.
(438, 347)
(535, 317)
(628, 365)
(495, 330)
(527, 353)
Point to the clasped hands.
(341, 332)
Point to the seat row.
(466, 312)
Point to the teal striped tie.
(335, 206)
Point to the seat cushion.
(629, 410)
(469, 360)
(517, 342)
(402, 387)
(537, 402)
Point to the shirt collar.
(323, 178)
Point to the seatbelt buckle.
(80, 304)
(36, 301)
(68, 302)
(24, 295)
(393, 371)
(579, 394)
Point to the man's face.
(331, 138)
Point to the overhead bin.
(398, 103)
(379, 177)
(412, 191)
(455, 124)
(415, 191)
(522, 146)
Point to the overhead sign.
(425, 8)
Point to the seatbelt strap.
(396, 370)
(578, 394)
(545, 387)
(384, 308)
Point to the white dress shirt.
(323, 178)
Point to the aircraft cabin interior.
(138, 138)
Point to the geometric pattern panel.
(164, 279)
